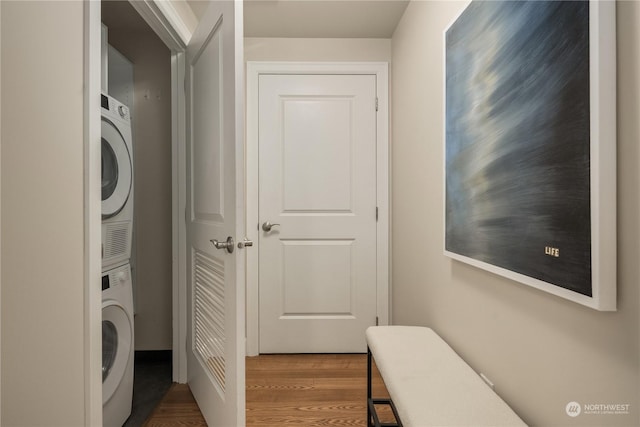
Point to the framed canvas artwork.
(530, 145)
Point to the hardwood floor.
(297, 390)
(177, 408)
(307, 390)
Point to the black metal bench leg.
(368, 387)
(372, 415)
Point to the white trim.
(602, 39)
(381, 71)
(92, 216)
(168, 25)
(174, 21)
(178, 223)
(384, 205)
(165, 21)
(240, 209)
(0, 229)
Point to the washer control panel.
(115, 107)
(116, 277)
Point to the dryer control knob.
(122, 110)
(121, 277)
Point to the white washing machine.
(117, 183)
(117, 345)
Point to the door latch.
(245, 243)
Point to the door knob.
(228, 245)
(267, 226)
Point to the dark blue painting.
(518, 139)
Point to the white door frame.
(381, 71)
(169, 26)
(92, 216)
(165, 21)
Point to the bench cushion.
(430, 384)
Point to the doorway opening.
(332, 238)
(168, 24)
(137, 72)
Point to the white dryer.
(117, 346)
(117, 183)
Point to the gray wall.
(43, 342)
(151, 131)
(541, 351)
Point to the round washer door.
(117, 334)
(116, 170)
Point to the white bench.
(429, 384)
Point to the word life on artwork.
(548, 250)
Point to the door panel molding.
(381, 71)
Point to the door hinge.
(377, 322)
(376, 103)
(376, 213)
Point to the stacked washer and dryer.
(117, 290)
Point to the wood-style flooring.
(177, 408)
(289, 390)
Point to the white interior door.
(317, 185)
(215, 211)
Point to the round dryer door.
(116, 170)
(117, 335)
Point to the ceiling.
(318, 18)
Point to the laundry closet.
(137, 72)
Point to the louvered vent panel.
(117, 240)
(208, 329)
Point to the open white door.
(215, 211)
